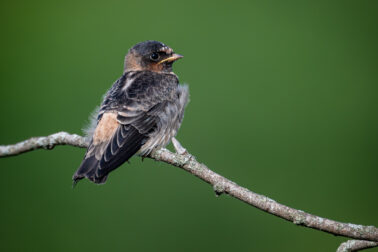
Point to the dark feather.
(146, 109)
(123, 145)
(87, 169)
(116, 154)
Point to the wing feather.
(131, 115)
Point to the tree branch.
(356, 245)
(49, 142)
(220, 185)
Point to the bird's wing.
(120, 134)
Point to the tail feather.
(99, 161)
(88, 170)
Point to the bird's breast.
(170, 119)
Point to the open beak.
(174, 57)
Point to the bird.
(140, 113)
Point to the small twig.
(356, 245)
(220, 185)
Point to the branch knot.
(299, 218)
(219, 188)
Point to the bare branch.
(48, 142)
(298, 217)
(356, 245)
(220, 185)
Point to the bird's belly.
(169, 122)
(161, 137)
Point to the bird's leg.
(178, 147)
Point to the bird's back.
(142, 111)
(146, 108)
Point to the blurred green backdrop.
(283, 101)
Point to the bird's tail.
(88, 169)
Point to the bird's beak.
(174, 57)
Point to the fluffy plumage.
(142, 111)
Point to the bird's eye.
(154, 56)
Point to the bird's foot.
(178, 147)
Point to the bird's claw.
(178, 147)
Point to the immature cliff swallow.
(141, 112)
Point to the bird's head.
(150, 55)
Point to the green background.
(283, 102)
